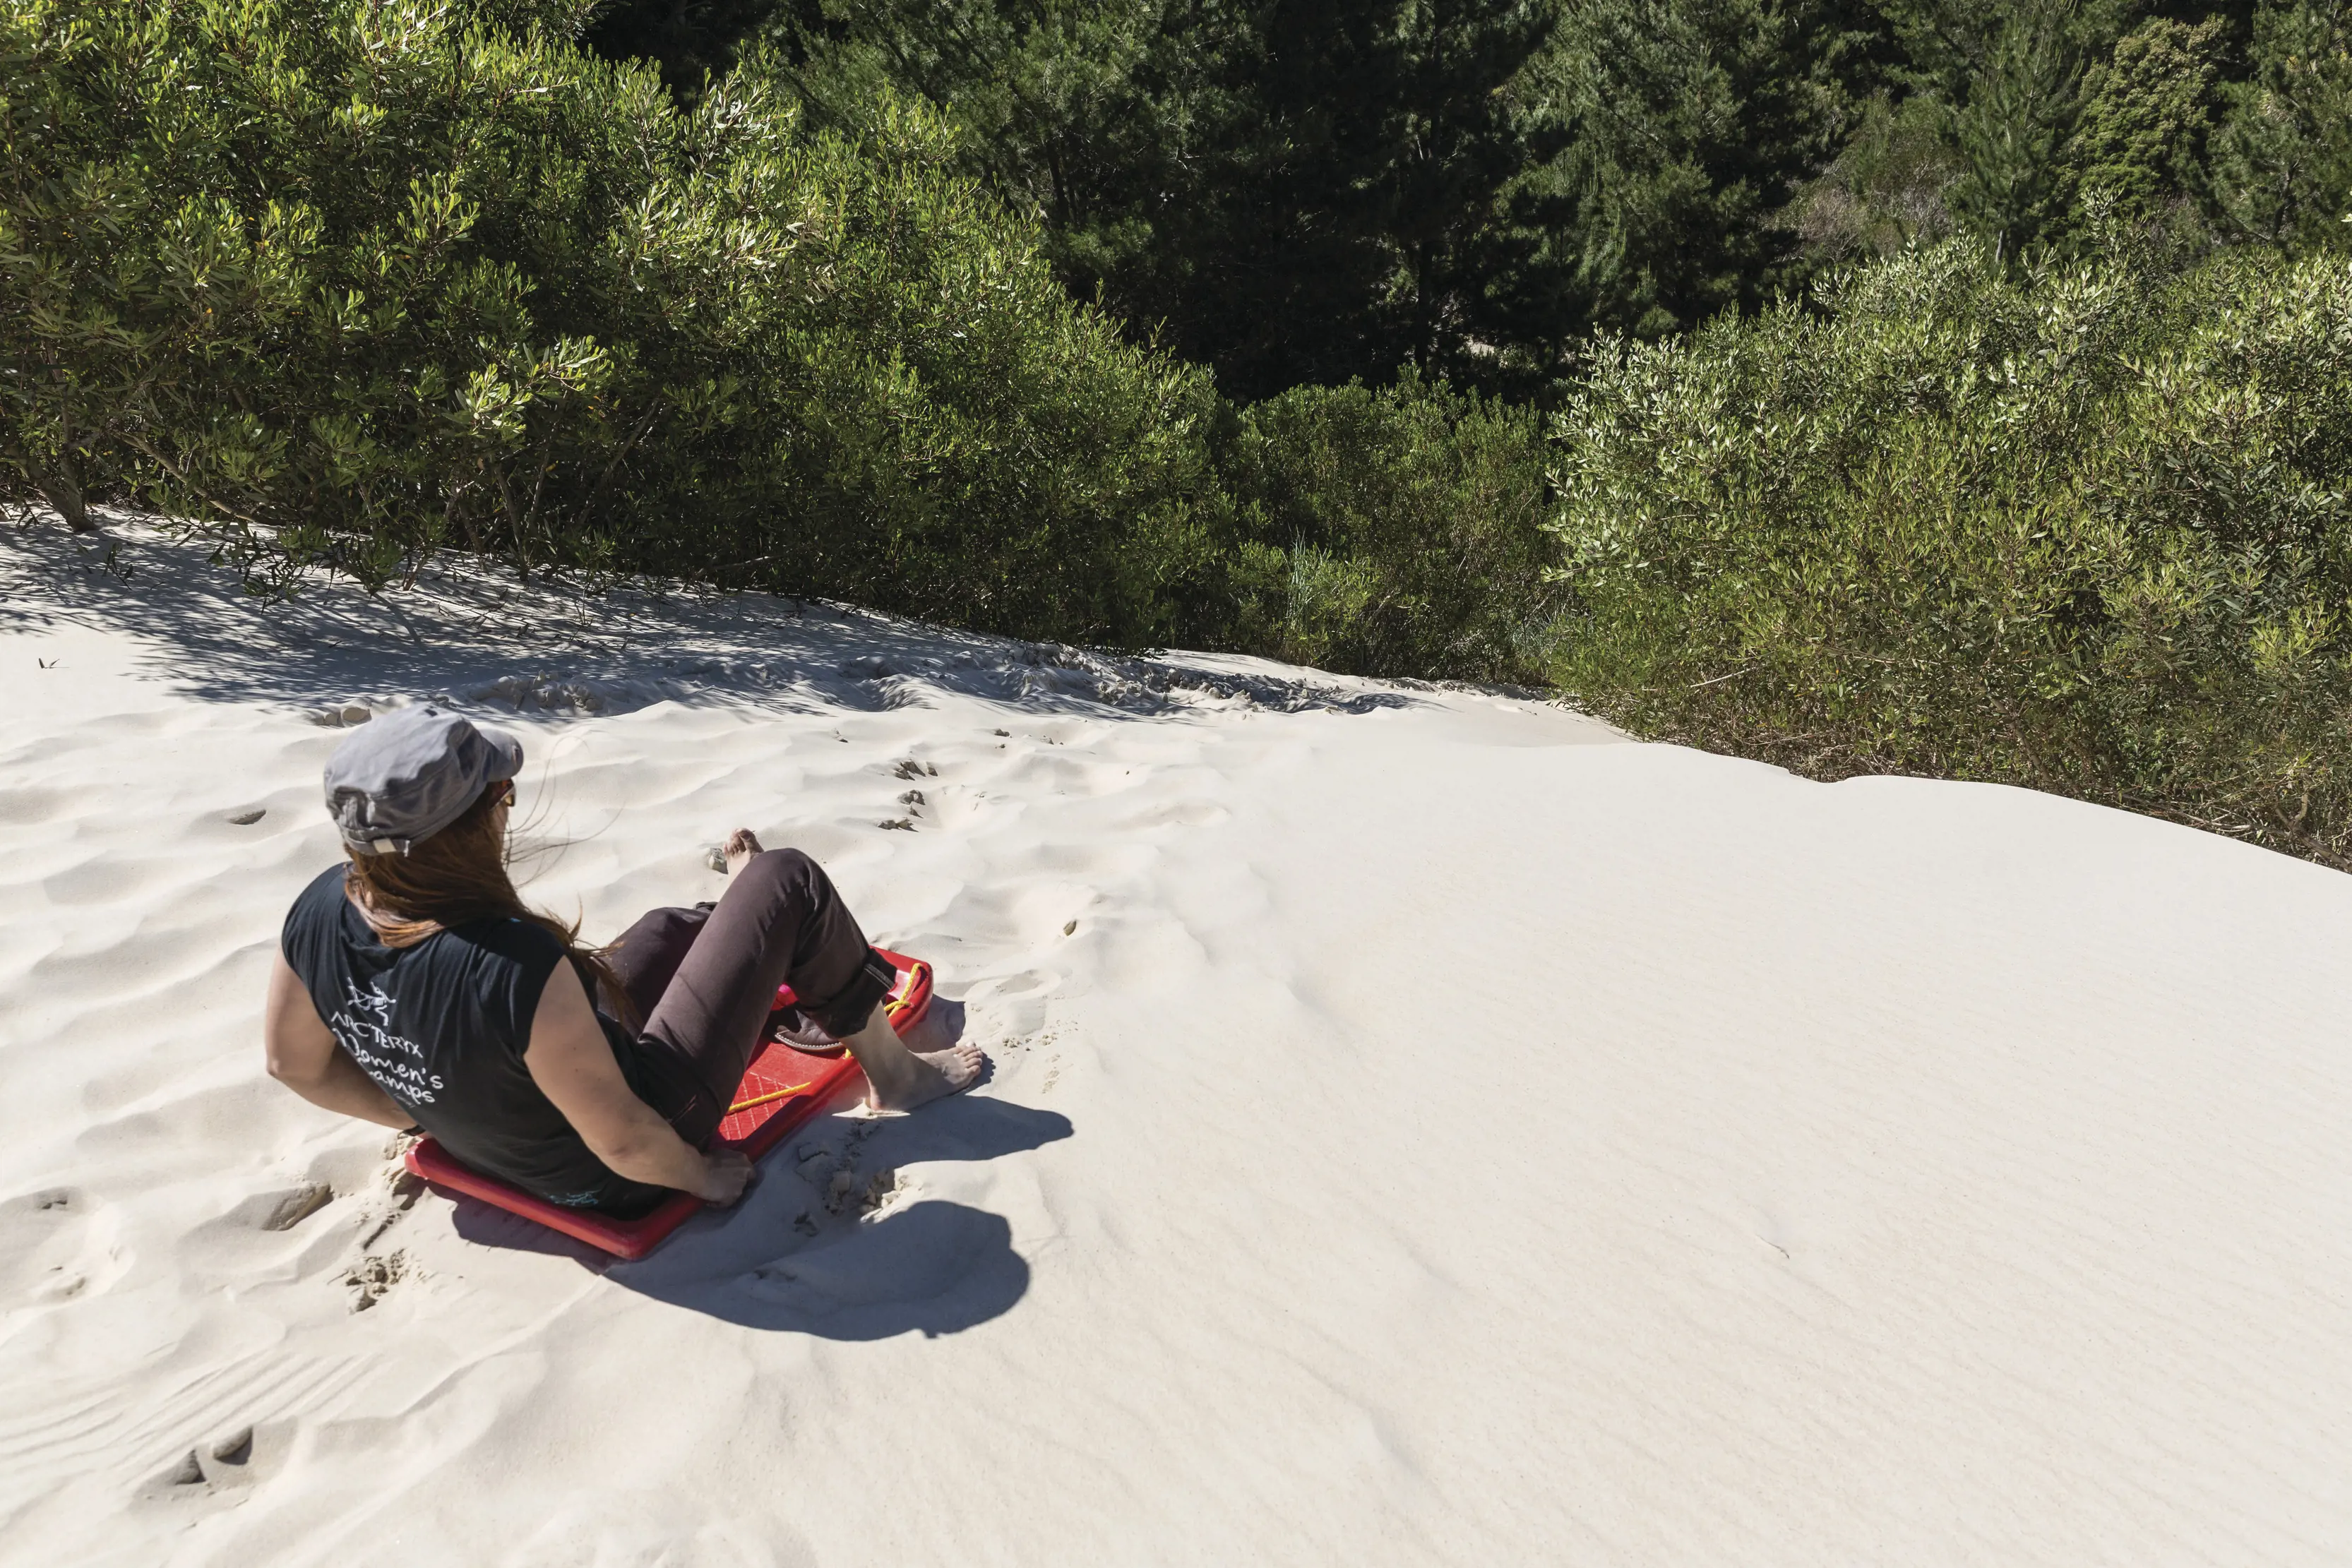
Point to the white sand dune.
(1424, 1128)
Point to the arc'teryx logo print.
(362, 1025)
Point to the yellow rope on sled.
(899, 1004)
(758, 1099)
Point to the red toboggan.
(784, 1088)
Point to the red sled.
(781, 1090)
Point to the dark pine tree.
(686, 38)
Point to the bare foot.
(900, 1079)
(741, 845)
(935, 1075)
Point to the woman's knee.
(781, 869)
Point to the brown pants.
(704, 980)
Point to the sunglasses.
(506, 792)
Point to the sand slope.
(1424, 1128)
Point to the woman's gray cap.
(405, 775)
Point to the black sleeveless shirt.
(442, 1026)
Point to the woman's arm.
(304, 1056)
(571, 1063)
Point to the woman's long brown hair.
(460, 875)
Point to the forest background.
(1866, 385)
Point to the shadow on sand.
(468, 633)
(932, 1266)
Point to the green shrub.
(1412, 521)
(2089, 532)
(354, 280)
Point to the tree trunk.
(64, 497)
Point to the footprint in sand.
(276, 1233)
(1008, 1007)
(230, 1463)
(285, 1211)
(56, 1245)
(886, 1192)
(343, 718)
(372, 1279)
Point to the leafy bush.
(1412, 521)
(2090, 531)
(354, 280)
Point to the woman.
(414, 988)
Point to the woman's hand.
(725, 1174)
